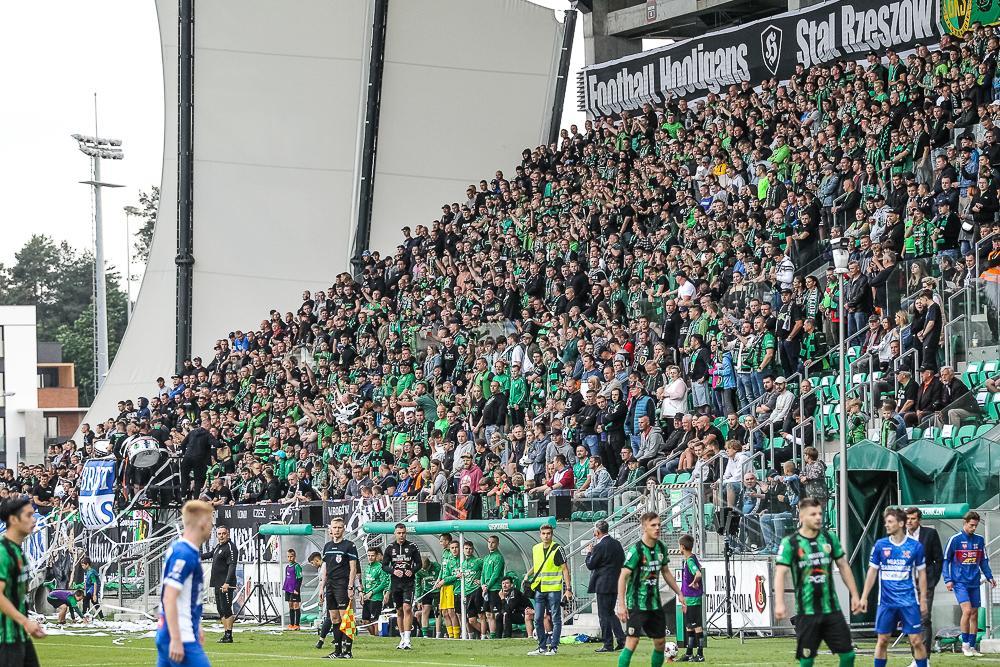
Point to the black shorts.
(652, 624)
(293, 597)
(18, 654)
(224, 601)
(335, 594)
(475, 602)
(492, 603)
(371, 610)
(401, 593)
(692, 617)
(811, 629)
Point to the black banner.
(770, 48)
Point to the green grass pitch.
(259, 649)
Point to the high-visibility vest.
(548, 575)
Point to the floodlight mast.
(98, 148)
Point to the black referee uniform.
(403, 557)
(224, 559)
(337, 556)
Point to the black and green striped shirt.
(14, 575)
(645, 564)
(811, 562)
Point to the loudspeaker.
(534, 508)
(315, 516)
(726, 521)
(561, 507)
(429, 511)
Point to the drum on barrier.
(144, 452)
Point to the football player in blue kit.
(179, 638)
(965, 561)
(897, 562)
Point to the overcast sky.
(59, 53)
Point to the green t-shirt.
(14, 574)
(811, 562)
(472, 569)
(492, 570)
(645, 564)
(374, 580)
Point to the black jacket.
(605, 562)
(198, 445)
(224, 558)
(933, 554)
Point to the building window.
(48, 377)
(51, 428)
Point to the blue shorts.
(194, 654)
(888, 618)
(968, 593)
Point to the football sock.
(689, 643)
(701, 642)
(847, 659)
(338, 637)
(348, 644)
(881, 662)
(625, 657)
(657, 659)
(806, 662)
(325, 629)
(921, 662)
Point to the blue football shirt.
(897, 565)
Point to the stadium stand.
(644, 307)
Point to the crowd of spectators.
(565, 328)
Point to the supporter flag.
(347, 623)
(97, 493)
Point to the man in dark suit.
(605, 558)
(934, 559)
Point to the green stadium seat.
(993, 407)
(916, 433)
(933, 433)
(972, 374)
(587, 517)
(683, 477)
(982, 430)
(982, 397)
(600, 514)
(670, 478)
(965, 434)
(853, 353)
(576, 516)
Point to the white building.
(22, 424)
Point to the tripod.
(727, 525)
(265, 605)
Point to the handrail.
(948, 355)
(800, 441)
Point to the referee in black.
(224, 557)
(402, 561)
(340, 557)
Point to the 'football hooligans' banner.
(772, 47)
(97, 493)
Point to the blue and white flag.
(97, 493)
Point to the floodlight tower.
(97, 149)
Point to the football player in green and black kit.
(639, 603)
(810, 554)
(16, 629)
